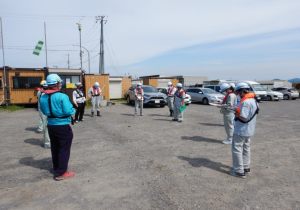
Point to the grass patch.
(11, 108)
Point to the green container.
(182, 108)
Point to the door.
(115, 89)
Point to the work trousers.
(177, 114)
(229, 124)
(96, 103)
(138, 104)
(171, 103)
(61, 137)
(79, 111)
(41, 125)
(240, 153)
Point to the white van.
(258, 89)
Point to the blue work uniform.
(60, 131)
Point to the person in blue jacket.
(59, 110)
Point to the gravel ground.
(150, 162)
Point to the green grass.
(11, 108)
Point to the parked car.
(151, 96)
(187, 100)
(274, 95)
(260, 92)
(205, 95)
(288, 93)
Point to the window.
(26, 82)
(69, 81)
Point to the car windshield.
(258, 87)
(149, 89)
(208, 91)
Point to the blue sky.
(238, 39)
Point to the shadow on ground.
(43, 164)
(168, 120)
(204, 162)
(33, 129)
(33, 141)
(211, 124)
(201, 139)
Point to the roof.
(65, 71)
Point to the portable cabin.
(2, 99)
(22, 84)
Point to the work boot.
(98, 113)
(92, 115)
(171, 113)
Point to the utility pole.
(101, 50)
(89, 60)
(4, 69)
(46, 51)
(80, 54)
(68, 61)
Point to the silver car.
(205, 95)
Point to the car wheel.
(286, 97)
(205, 101)
(269, 98)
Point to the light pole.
(80, 54)
(89, 61)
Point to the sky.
(232, 39)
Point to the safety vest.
(96, 91)
(170, 91)
(179, 93)
(238, 109)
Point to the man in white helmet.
(179, 97)
(43, 118)
(95, 93)
(139, 99)
(244, 129)
(227, 109)
(171, 92)
(79, 102)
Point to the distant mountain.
(295, 80)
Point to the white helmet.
(139, 84)
(241, 85)
(96, 84)
(232, 85)
(78, 84)
(179, 85)
(170, 83)
(224, 87)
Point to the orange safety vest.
(170, 90)
(246, 97)
(96, 91)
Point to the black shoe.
(247, 170)
(98, 113)
(174, 120)
(239, 175)
(92, 114)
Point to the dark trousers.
(79, 111)
(61, 137)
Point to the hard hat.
(179, 85)
(232, 85)
(224, 87)
(53, 79)
(43, 83)
(139, 84)
(96, 84)
(241, 86)
(78, 84)
(170, 83)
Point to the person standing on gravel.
(59, 110)
(244, 129)
(227, 109)
(171, 92)
(79, 102)
(43, 119)
(139, 99)
(178, 103)
(95, 93)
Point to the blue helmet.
(242, 86)
(53, 79)
(224, 87)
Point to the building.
(118, 86)
(269, 84)
(162, 81)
